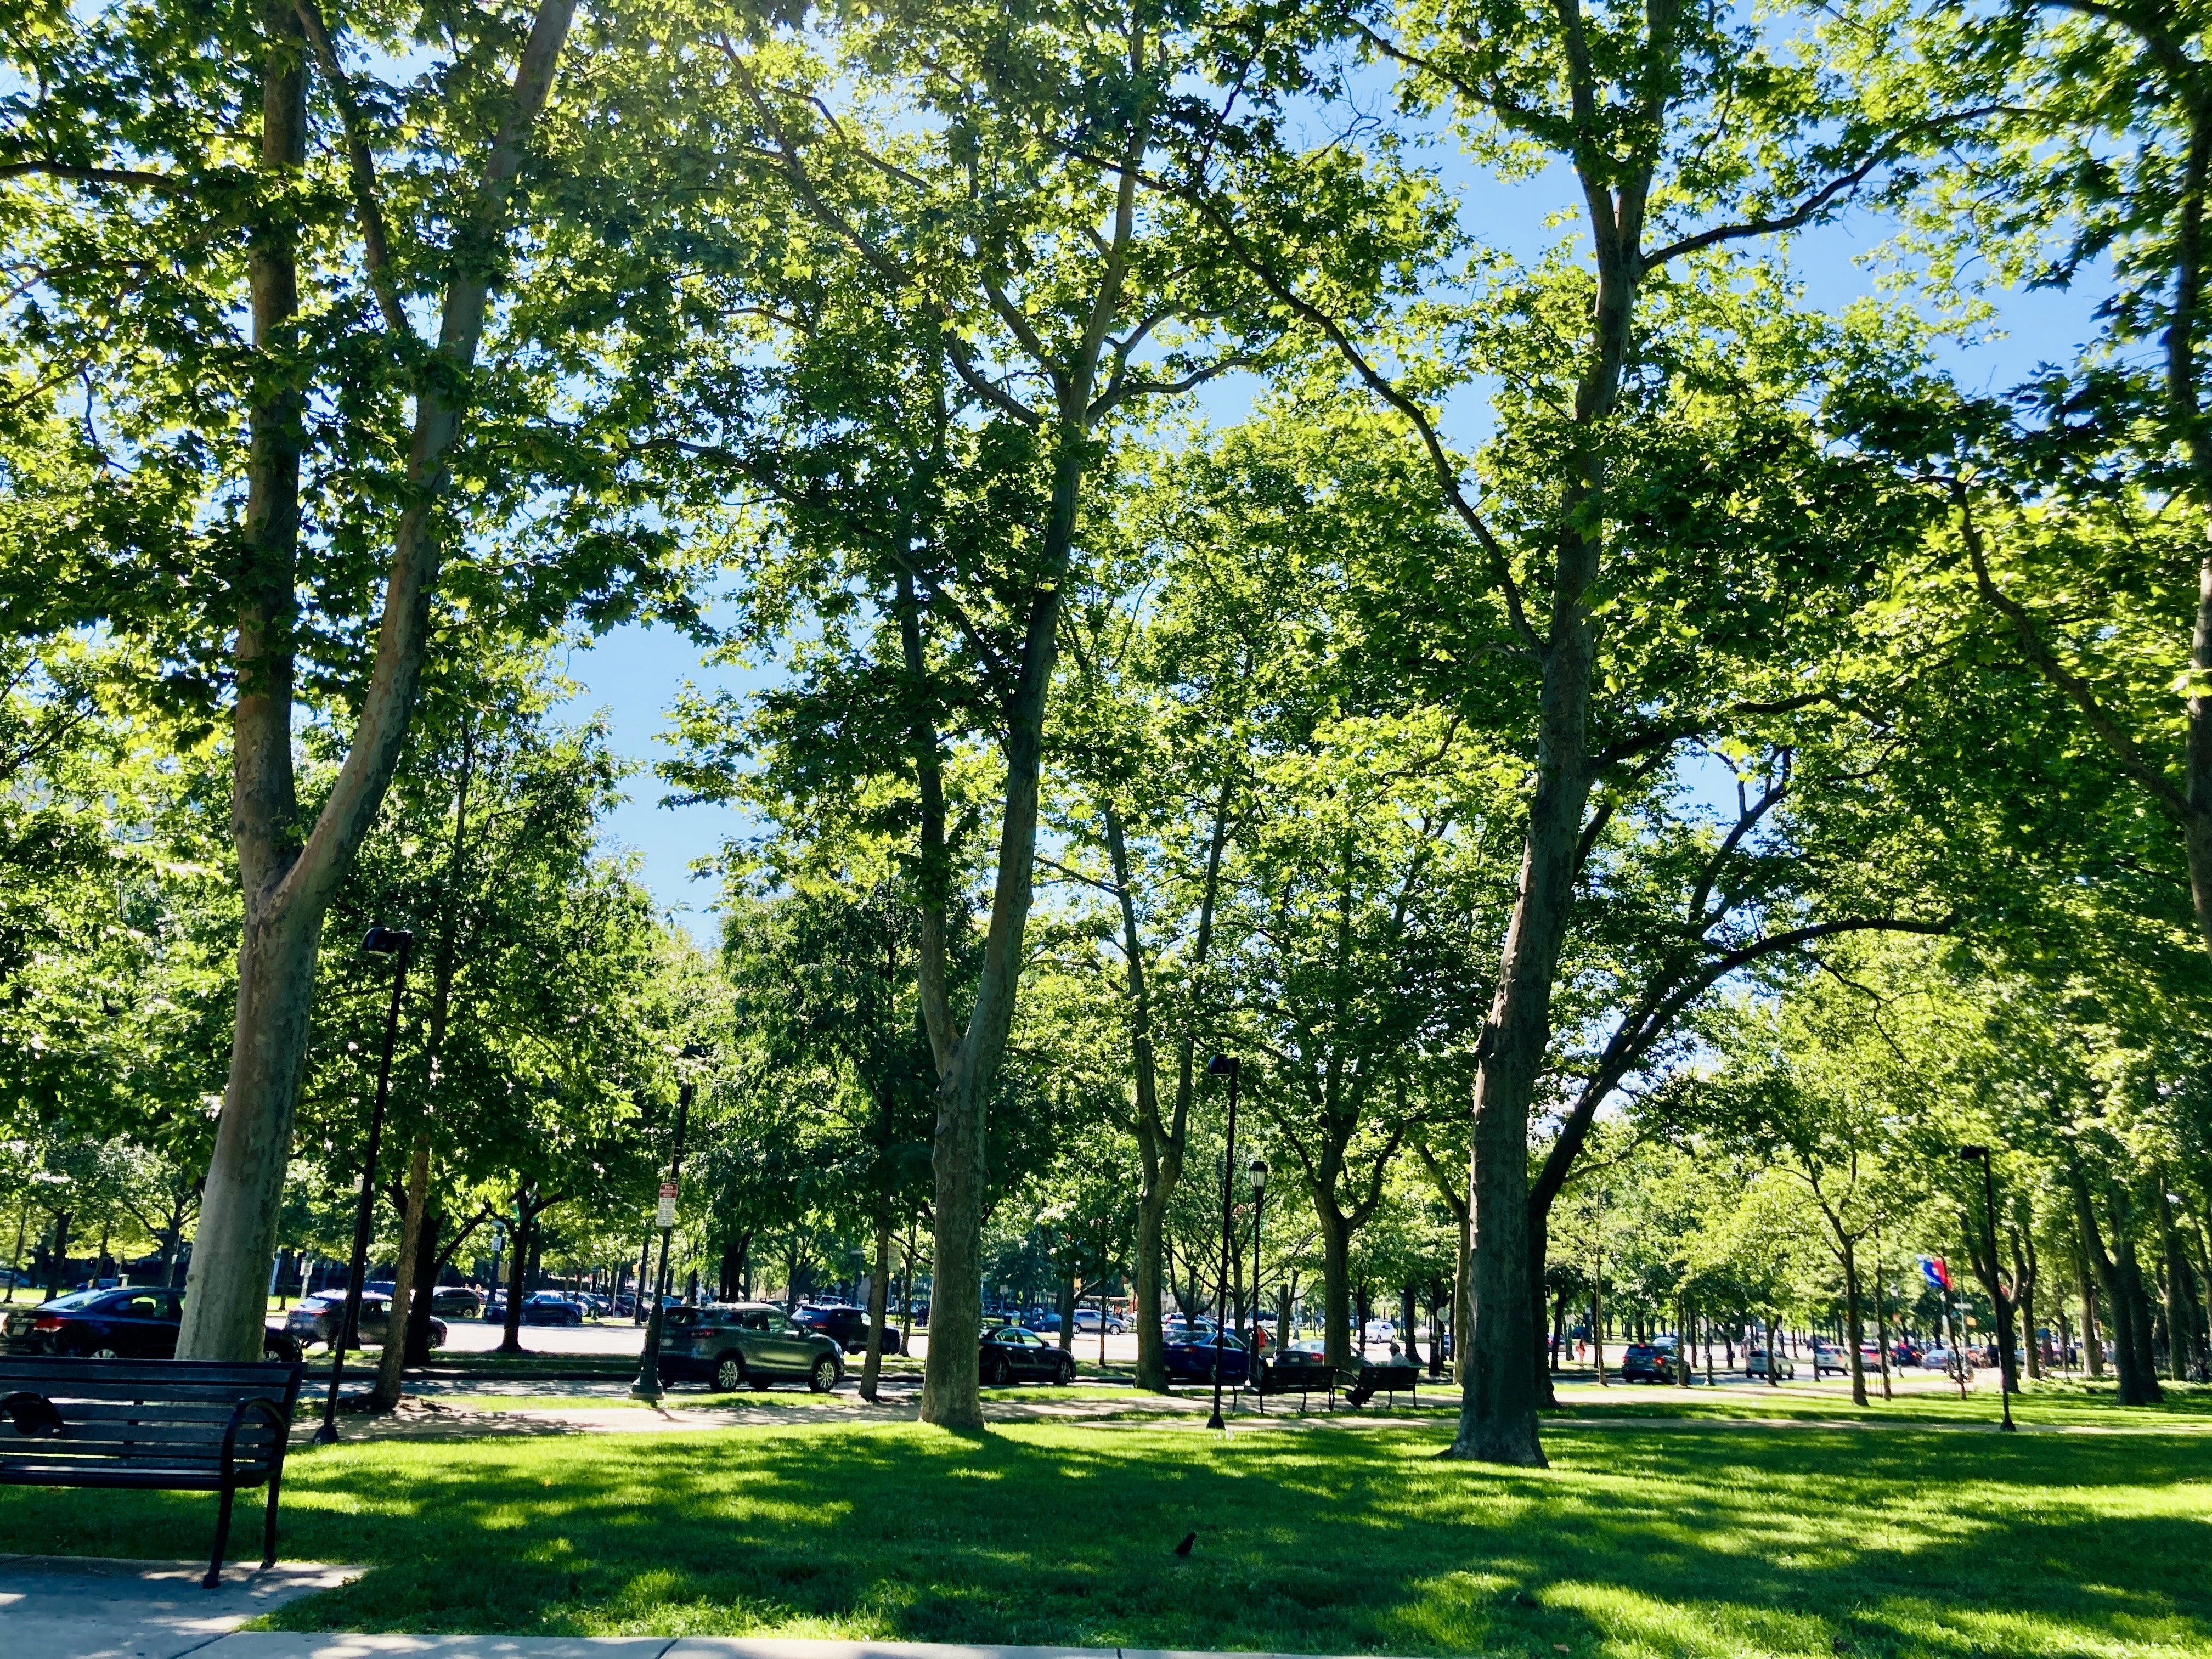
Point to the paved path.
(84, 1607)
(76, 1608)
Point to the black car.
(847, 1327)
(315, 1318)
(138, 1322)
(1188, 1349)
(1014, 1353)
(747, 1345)
(1643, 1363)
(456, 1302)
(551, 1308)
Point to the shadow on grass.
(1633, 1543)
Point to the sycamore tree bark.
(1161, 1143)
(394, 1359)
(288, 886)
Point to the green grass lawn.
(1638, 1541)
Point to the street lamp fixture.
(399, 944)
(1981, 1155)
(1223, 1066)
(647, 1385)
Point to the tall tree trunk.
(1161, 1145)
(2137, 1388)
(2180, 1288)
(287, 885)
(518, 1274)
(2023, 1289)
(949, 1388)
(393, 1358)
(1335, 1285)
(879, 1287)
(2092, 1339)
(2131, 1292)
(226, 1301)
(1854, 1319)
(428, 1250)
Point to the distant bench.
(150, 1425)
(1298, 1375)
(1362, 1385)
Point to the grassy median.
(1639, 1541)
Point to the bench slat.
(217, 1411)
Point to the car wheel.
(823, 1376)
(994, 1374)
(729, 1374)
(1065, 1374)
(437, 1332)
(102, 1352)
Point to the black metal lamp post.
(1259, 1172)
(1981, 1154)
(647, 1385)
(1223, 1066)
(397, 944)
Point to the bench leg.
(269, 1520)
(221, 1542)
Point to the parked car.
(133, 1322)
(847, 1327)
(456, 1302)
(1645, 1362)
(1378, 1330)
(745, 1344)
(1190, 1352)
(1938, 1358)
(1869, 1356)
(1014, 1353)
(1903, 1353)
(315, 1318)
(1088, 1319)
(552, 1308)
(494, 1307)
(595, 1306)
(1827, 1356)
(1754, 1364)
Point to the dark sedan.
(847, 1327)
(748, 1344)
(136, 1324)
(1014, 1353)
(1643, 1363)
(550, 1307)
(1190, 1354)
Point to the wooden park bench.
(150, 1425)
(1362, 1385)
(1297, 1374)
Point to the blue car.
(1191, 1354)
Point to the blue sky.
(634, 673)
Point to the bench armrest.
(280, 1428)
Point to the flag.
(1933, 1270)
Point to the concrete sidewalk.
(54, 1606)
(81, 1608)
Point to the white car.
(1754, 1364)
(1378, 1330)
(1937, 1357)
